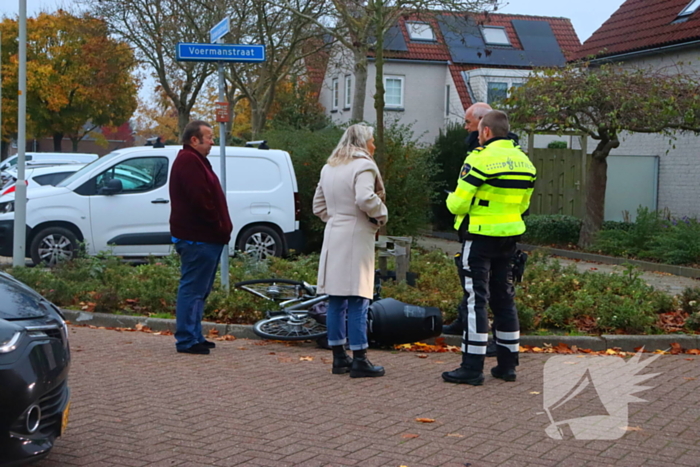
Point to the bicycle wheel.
(277, 290)
(289, 328)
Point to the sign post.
(20, 227)
(219, 52)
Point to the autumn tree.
(8, 63)
(153, 28)
(604, 103)
(361, 26)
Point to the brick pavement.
(136, 402)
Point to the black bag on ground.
(393, 322)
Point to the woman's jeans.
(198, 263)
(356, 310)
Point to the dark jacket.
(199, 211)
(472, 140)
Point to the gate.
(560, 181)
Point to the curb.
(682, 271)
(245, 331)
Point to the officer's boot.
(470, 372)
(507, 361)
(456, 327)
(341, 361)
(362, 367)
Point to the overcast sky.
(587, 16)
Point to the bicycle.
(292, 320)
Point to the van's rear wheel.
(260, 242)
(53, 245)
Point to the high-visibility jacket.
(493, 190)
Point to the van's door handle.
(160, 201)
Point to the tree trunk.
(4, 150)
(596, 184)
(379, 155)
(57, 140)
(183, 118)
(75, 142)
(358, 101)
(257, 119)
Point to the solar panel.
(393, 40)
(466, 44)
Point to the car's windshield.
(87, 168)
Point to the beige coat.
(345, 200)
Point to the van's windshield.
(87, 168)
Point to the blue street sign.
(188, 52)
(220, 30)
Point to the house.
(653, 33)
(105, 140)
(437, 66)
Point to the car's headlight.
(8, 342)
(6, 207)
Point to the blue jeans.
(356, 310)
(198, 263)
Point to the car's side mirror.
(112, 187)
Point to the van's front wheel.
(53, 245)
(260, 242)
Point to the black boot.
(507, 361)
(362, 367)
(470, 372)
(341, 361)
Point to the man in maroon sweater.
(200, 226)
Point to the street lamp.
(20, 227)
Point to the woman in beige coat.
(349, 200)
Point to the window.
(393, 92)
(334, 96)
(690, 9)
(420, 31)
(52, 179)
(497, 92)
(514, 86)
(137, 175)
(447, 100)
(348, 91)
(495, 35)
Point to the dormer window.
(690, 9)
(420, 31)
(496, 35)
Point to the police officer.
(472, 117)
(493, 191)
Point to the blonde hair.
(355, 139)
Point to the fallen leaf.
(455, 435)
(422, 355)
(660, 352)
(535, 392)
(537, 350)
(693, 352)
(307, 358)
(425, 420)
(409, 435)
(228, 337)
(689, 378)
(690, 359)
(610, 352)
(631, 428)
(242, 348)
(326, 360)
(676, 348)
(213, 332)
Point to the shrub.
(690, 300)
(677, 242)
(558, 145)
(552, 229)
(633, 241)
(449, 152)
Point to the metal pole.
(222, 157)
(20, 228)
(1, 95)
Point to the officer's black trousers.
(488, 279)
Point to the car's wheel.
(261, 242)
(53, 245)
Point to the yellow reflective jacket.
(494, 190)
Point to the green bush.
(677, 242)
(552, 229)
(690, 300)
(634, 241)
(449, 151)
(558, 145)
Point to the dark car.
(34, 363)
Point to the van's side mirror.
(113, 187)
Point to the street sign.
(189, 52)
(222, 115)
(220, 30)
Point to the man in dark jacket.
(200, 226)
(472, 117)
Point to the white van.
(262, 197)
(50, 157)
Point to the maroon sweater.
(199, 212)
